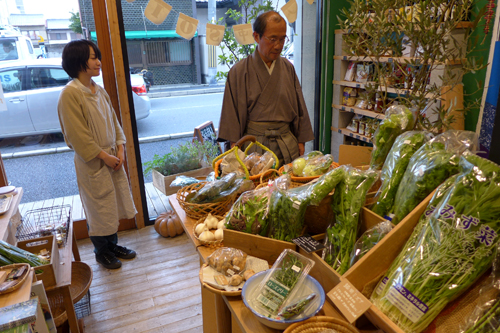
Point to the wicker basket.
(261, 178)
(321, 323)
(198, 211)
(215, 290)
(215, 243)
(304, 180)
(20, 281)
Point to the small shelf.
(368, 113)
(351, 134)
(391, 59)
(399, 92)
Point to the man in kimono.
(263, 96)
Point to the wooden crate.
(162, 182)
(261, 247)
(49, 271)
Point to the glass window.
(11, 80)
(48, 77)
(8, 50)
(30, 47)
(180, 51)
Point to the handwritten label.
(206, 132)
(308, 244)
(351, 303)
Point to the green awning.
(147, 34)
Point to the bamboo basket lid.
(321, 323)
(19, 281)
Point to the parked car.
(14, 46)
(31, 90)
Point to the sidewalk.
(154, 92)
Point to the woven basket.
(321, 323)
(261, 178)
(304, 180)
(215, 243)
(20, 281)
(198, 211)
(213, 289)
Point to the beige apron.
(105, 193)
(277, 137)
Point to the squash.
(168, 224)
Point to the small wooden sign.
(351, 303)
(206, 131)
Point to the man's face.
(7, 48)
(268, 50)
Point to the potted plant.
(193, 159)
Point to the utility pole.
(212, 51)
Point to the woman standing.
(91, 129)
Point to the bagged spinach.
(394, 168)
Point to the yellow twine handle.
(235, 150)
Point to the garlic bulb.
(207, 235)
(219, 234)
(211, 222)
(199, 229)
(221, 224)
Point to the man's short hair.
(260, 23)
(75, 56)
(7, 44)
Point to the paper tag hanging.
(243, 33)
(310, 1)
(290, 11)
(3, 104)
(215, 34)
(186, 26)
(157, 11)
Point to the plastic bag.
(251, 160)
(228, 260)
(394, 168)
(184, 181)
(451, 246)
(368, 240)
(317, 166)
(324, 185)
(300, 163)
(398, 119)
(266, 161)
(297, 307)
(485, 316)
(230, 164)
(288, 274)
(210, 177)
(348, 199)
(213, 189)
(249, 213)
(435, 161)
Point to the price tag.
(349, 300)
(308, 244)
(351, 135)
(340, 131)
(358, 137)
(343, 108)
(345, 58)
(358, 85)
(389, 60)
(352, 110)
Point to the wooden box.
(258, 246)
(49, 271)
(162, 182)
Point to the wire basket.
(46, 221)
(82, 307)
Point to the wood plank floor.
(158, 291)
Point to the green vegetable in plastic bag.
(317, 166)
(398, 119)
(368, 240)
(394, 168)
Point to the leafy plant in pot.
(192, 158)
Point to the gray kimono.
(89, 125)
(271, 107)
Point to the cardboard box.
(49, 271)
(162, 182)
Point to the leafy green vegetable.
(288, 207)
(398, 120)
(249, 212)
(317, 166)
(348, 199)
(368, 240)
(394, 168)
(489, 322)
(451, 246)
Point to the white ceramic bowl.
(311, 286)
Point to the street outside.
(52, 175)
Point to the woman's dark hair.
(259, 26)
(76, 55)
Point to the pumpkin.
(168, 224)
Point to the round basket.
(257, 179)
(197, 211)
(19, 281)
(215, 290)
(81, 278)
(304, 180)
(215, 243)
(321, 323)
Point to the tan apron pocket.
(101, 183)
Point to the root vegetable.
(248, 274)
(235, 280)
(219, 234)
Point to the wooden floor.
(158, 291)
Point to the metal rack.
(46, 221)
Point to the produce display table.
(222, 314)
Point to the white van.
(15, 46)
